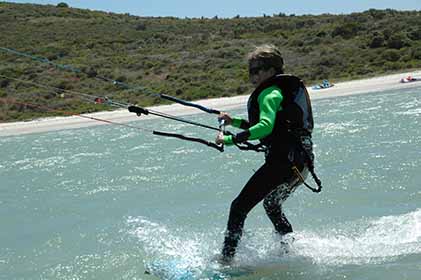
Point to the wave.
(410, 112)
(340, 128)
(38, 163)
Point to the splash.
(160, 242)
(172, 254)
(372, 241)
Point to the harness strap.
(302, 180)
(247, 146)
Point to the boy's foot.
(286, 242)
(222, 260)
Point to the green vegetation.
(191, 58)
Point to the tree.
(346, 30)
(62, 5)
(377, 42)
(397, 41)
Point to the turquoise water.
(104, 202)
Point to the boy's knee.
(236, 209)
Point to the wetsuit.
(274, 181)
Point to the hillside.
(188, 58)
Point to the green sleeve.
(269, 104)
(228, 140)
(236, 122)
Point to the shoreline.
(375, 84)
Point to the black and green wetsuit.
(279, 111)
(269, 104)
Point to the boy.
(280, 116)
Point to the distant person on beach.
(280, 116)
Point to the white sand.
(377, 84)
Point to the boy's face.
(258, 72)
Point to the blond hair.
(269, 56)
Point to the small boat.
(409, 79)
(323, 85)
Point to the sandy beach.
(371, 85)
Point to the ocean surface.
(109, 201)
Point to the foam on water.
(366, 241)
(160, 242)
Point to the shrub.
(415, 34)
(391, 55)
(416, 53)
(297, 42)
(376, 42)
(387, 33)
(346, 30)
(397, 41)
(140, 27)
(391, 66)
(4, 83)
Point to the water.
(104, 202)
